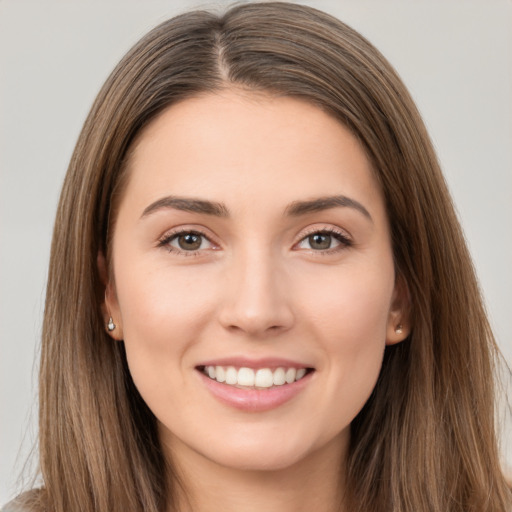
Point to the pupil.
(319, 241)
(189, 241)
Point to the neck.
(314, 483)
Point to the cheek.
(156, 297)
(350, 306)
(349, 319)
(162, 313)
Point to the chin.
(259, 460)
(271, 452)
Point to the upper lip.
(266, 362)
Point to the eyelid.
(341, 235)
(172, 234)
(324, 228)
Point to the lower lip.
(255, 400)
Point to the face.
(253, 280)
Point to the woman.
(259, 295)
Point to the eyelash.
(343, 239)
(166, 240)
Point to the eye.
(186, 241)
(324, 240)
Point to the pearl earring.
(398, 329)
(111, 325)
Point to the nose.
(257, 300)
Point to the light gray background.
(455, 56)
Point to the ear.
(399, 319)
(110, 306)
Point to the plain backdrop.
(454, 55)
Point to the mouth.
(254, 378)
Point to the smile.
(255, 386)
(254, 378)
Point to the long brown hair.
(425, 440)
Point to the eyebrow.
(187, 205)
(294, 209)
(325, 203)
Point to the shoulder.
(14, 506)
(29, 501)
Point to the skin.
(258, 286)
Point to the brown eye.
(320, 241)
(189, 241)
(324, 240)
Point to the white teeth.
(231, 376)
(221, 374)
(290, 375)
(264, 378)
(300, 373)
(246, 377)
(260, 378)
(279, 377)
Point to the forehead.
(238, 145)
